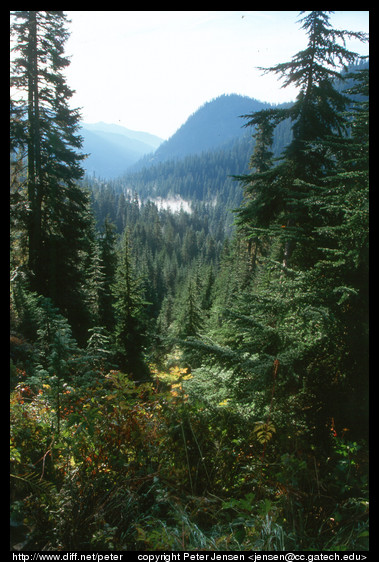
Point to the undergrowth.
(116, 465)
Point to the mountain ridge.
(216, 123)
(141, 136)
(113, 149)
(212, 125)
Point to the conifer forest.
(191, 379)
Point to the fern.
(264, 431)
(35, 482)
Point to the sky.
(150, 70)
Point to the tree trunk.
(34, 153)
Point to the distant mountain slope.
(113, 149)
(145, 138)
(116, 150)
(213, 125)
(197, 163)
(205, 178)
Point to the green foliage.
(51, 207)
(129, 312)
(177, 473)
(249, 430)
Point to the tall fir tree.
(297, 308)
(45, 130)
(277, 196)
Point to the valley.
(189, 317)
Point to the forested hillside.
(204, 181)
(215, 124)
(199, 183)
(191, 379)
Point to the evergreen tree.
(262, 200)
(109, 261)
(189, 322)
(278, 196)
(340, 276)
(296, 306)
(130, 330)
(44, 129)
(95, 281)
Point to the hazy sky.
(149, 71)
